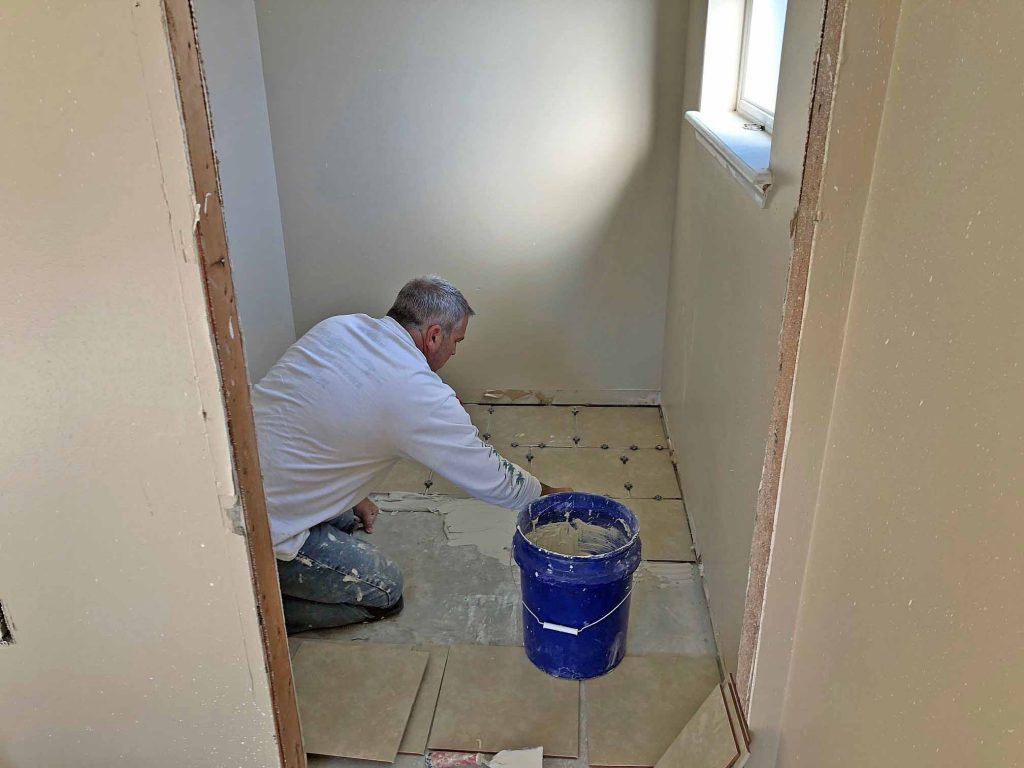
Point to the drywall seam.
(223, 317)
(180, 224)
(182, 220)
(850, 157)
(804, 223)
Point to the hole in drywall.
(6, 627)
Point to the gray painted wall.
(230, 47)
(527, 151)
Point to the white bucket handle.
(573, 630)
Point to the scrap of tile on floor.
(493, 698)
(334, 680)
(709, 740)
(636, 711)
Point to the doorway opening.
(555, 354)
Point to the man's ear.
(433, 335)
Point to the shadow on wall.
(526, 151)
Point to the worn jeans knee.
(335, 567)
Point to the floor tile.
(532, 425)
(480, 415)
(638, 709)
(668, 612)
(334, 680)
(493, 698)
(707, 740)
(417, 730)
(406, 477)
(651, 473)
(664, 531)
(590, 470)
(620, 427)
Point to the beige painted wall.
(525, 150)
(908, 645)
(230, 48)
(864, 65)
(137, 640)
(727, 287)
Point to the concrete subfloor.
(458, 594)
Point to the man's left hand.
(366, 512)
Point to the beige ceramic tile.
(620, 427)
(664, 531)
(480, 415)
(406, 477)
(637, 709)
(335, 680)
(651, 474)
(589, 470)
(493, 698)
(439, 485)
(414, 742)
(707, 740)
(532, 425)
(293, 646)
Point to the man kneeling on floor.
(343, 405)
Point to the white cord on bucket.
(572, 630)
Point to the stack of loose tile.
(417, 730)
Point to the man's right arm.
(445, 440)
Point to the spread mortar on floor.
(467, 522)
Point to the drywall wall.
(908, 645)
(230, 48)
(136, 639)
(726, 293)
(865, 57)
(526, 150)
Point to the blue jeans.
(337, 579)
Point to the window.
(763, 24)
(739, 86)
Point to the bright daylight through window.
(739, 87)
(762, 51)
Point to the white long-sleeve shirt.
(343, 405)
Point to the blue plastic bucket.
(576, 607)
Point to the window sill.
(745, 154)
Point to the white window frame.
(721, 123)
(745, 107)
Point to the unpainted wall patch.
(6, 627)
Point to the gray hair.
(429, 300)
